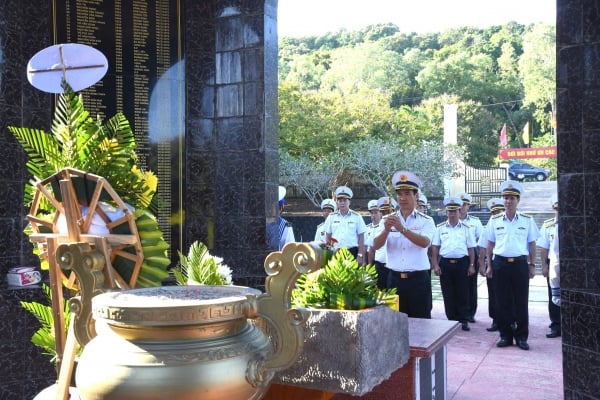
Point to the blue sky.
(317, 17)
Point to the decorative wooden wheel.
(81, 201)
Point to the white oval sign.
(79, 64)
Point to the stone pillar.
(232, 159)
(25, 28)
(578, 136)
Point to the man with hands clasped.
(346, 226)
(327, 207)
(406, 236)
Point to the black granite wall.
(230, 156)
(25, 28)
(231, 131)
(578, 111)
(231, 163)
(24, 370)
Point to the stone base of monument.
(349, 351)
(424, 376)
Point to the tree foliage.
(315, 178)
(347, 97)
(375, 161)
(537, 67)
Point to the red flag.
(503, 140)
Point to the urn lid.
(174, 305)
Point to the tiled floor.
(477, 369)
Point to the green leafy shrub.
(104, 148)
(341, 285)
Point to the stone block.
(349, 351)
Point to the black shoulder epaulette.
(497, 216)
(549, 222)
(423, 214)
(525, 215)
(465, 224)
(473, 216)
(441, 224)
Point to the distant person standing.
(453, 245)
(477, 227)
(512, 248)
(496, 206)
(372, 229)
(422, 203)
(386, 206)
(286, 233)
(327, 207)
(548, 244)
(346, 226)
(422, 206)
(406, 237)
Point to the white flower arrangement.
(199, 267)
(225, 273)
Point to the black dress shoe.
(523, 344)
(465, 326)
(504, 342)
(492, 328)
(553, 334)
(471, 319)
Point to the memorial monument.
(199, 80)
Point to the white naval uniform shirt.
(320, 234)
(372, 233)
(547, 235)
(512, 238)
(402, 254)
(549, 240)
(483, 239)
(554, 271)
(474, 224)
(369, 234)
(345, 228)
(454, 242)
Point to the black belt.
(511, 259)
(454, 260)
(406, 274)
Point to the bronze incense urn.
(197, 342)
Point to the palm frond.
(200, 267)
(102, 148)
(44, 337)
(43, 149)
(77, 141)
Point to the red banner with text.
(533, 152)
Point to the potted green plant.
(341, 285)
(199, 267)
(354, 339)
(107, 149)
